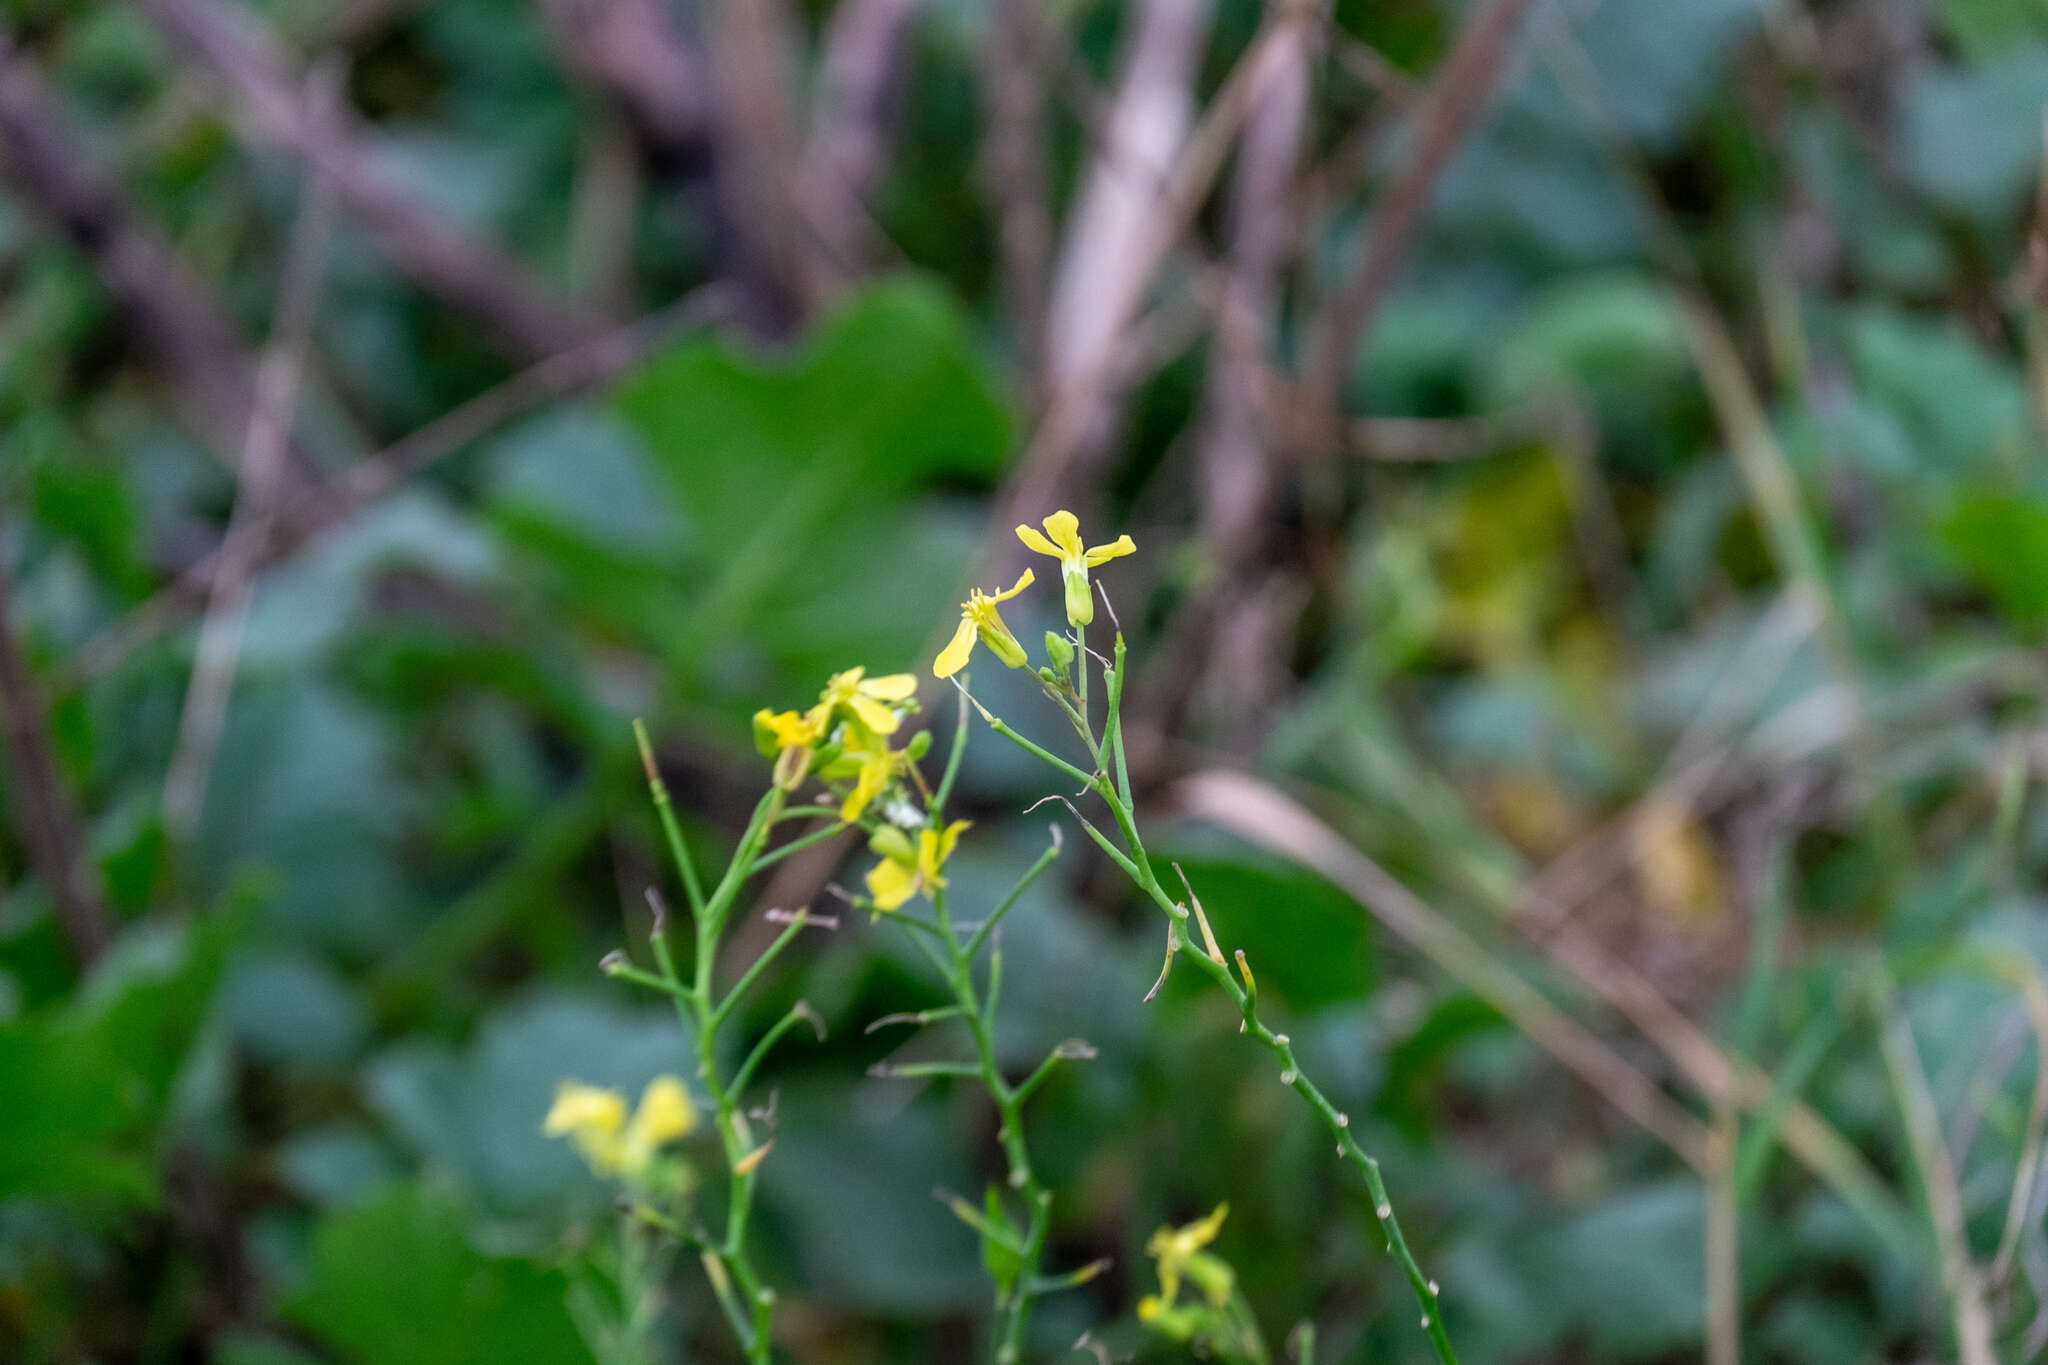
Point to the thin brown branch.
(1961, 1279)
(472, 275)
(307, 518)
(257, 488)
(632, 51)
(1113, 240)
(1265, 816)
(1142, 196)
(1723, 1239)
(40, 800)
(175, 320)
(1016, 172)
(758, 144)
(1459, 93)
(853, 113)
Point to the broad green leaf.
(87, 1083)
(475, 1114)
(797, 475)
(1972, 135)
(1307, 942)
(396, 1278)
(2001, 542)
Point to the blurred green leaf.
(2001, 541)
(475, 1114)
(396, 1278)
(87, 1083)
(1972, 134)
(794, 474)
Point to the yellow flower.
(1062, 541)
(665, 1114)
(905, 872)
(874, 765)
(789, 739)
(594, 1120)
(1179, 1250)
(591, 1118)
(863, 697)
(775, 731)
(790, 736)
(978, 616)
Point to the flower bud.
(791, 767)
(920, 745)
(892, 843)
(1060, 651)
(1080, 600)
(1003, 645)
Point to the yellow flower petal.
(1064, 528)
(874, 775)
(872, 713)
(789, 729)
(584, 1108)
(1023, 582)
(665, 1113)
(953, 657)
(1036, 542)
(590, 1117)
(890, 884)
(1102, 554)
(893, 686)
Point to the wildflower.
(665, 1114)
(978, 616)
(873, 766)
(594, 1120)
(790, 739)
(864, 698)
(1179, 1251)
(905, 872)
(1062, 541)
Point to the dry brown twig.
(1961, 1279)
(474, 276)
(1459, 93)
(859, 72)
(176, 321)
(258, 485)
(1015, 172)
(1266, 817)
(310, 517)
(40, 799)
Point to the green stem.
(1136, 864)
(726, 1263)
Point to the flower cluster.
(595, 1122)
(1207, 1320)
(844, 738)
(979, 619)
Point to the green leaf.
(396, 1278)
(1972, 136)
(476, 1114)
(87, 1085)
(998, 1255)
(1958, 404)
(1306, 940)
(796, 474)
(2001, 542)
(1612, 333)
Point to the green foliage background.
(294, 1114)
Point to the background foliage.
(1663, 612)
